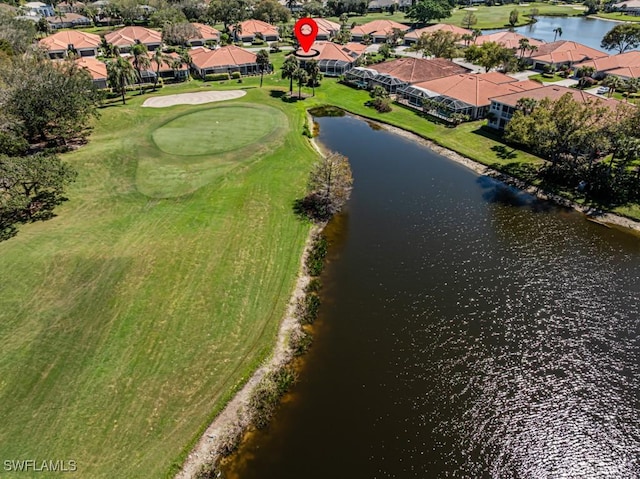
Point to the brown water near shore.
(467, 330)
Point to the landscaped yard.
(552, 78)
(128, 320)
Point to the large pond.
(466, 331)
(586, 30)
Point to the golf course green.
(130, 319)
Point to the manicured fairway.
(128, 320)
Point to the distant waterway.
(586, 30)
(467, 330)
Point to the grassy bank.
(130, 319)
(618, 16)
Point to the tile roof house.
(630, 7)
(74, 7)
(503, 107)
(468, 94)
(68, 20)
(395, 74)
(96, 68)
(379, 30)
(58, 44)
(508, 40)
(563, 52)
(223, 60)
(334, 59)
(205, 34)
(624, 65)
(326, 29)
(252, 29)
(37, 9)
(414, 35)
(126, 37)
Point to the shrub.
(317, 255)
(217, 77)
(236, 75)
(314, 286)
(306, 131)
(265, 398)
(300, 341)
(311, 308)
(382, 105)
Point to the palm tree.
(557, 32)
(262, 59)
(613, 82)
(632, 85)
(475, 34)
(313, 70)
(120, 73)
(140, 60)
(159, 58)
(583, 73)
(289, 67)
(467, 38)
(300, 75)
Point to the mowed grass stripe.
(129, 319)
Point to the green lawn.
(129, 319)
(622, 17)
(488, 17)
(551, 79)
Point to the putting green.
(199, 147)
(215, 131)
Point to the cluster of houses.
(440, 86)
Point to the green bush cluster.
(266, 396)
(236, 75)
(317, 255)
(217, 77)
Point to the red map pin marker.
(306, 30)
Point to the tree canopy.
(425, 11)
(623, 37)
(490, 55)
(271, 11)
(441, 44)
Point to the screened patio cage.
(414, 96)
(360, 76)
(334, 68)
(388, 82)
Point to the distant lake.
(586, 30)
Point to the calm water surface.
(466, 331)
(585, 30)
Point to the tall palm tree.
(583, 73)
(523, 45)
(313, 71)
(140, 60)
(632, 85)
(557, 32)
(262, 59)
(300, 75)
(475, 34)
(159, 58)
(289, 67)
(120, 73)
(613, 83)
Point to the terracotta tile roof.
(333, 51)
(627, 72)
(206, 32)
(67, 18)
(552, 92)
(413, 70)
(415, 34)
(62, 40)
(621, 60)
(566, 51)
(378, 27)
(230, 55)
(165, 66)
(128, 35)
(95, 67)
(327, 26)
(257, 26)
(475, 89)
(507, 39)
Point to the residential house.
(624, 65)
(205, 34)
(382, 5)
(251, 30)
(166, 69)
(96, 68)
(504, 106)
(37, 10)
(631, 7)
(466, 94)
(563, 53)
(378, 30)
(397, 74)
(68, 20)
(326, 29)
(334, 59)
(413, 36)
(60, 43)
(70, 7)
(126, 37)
(510, 40)
(227, 59)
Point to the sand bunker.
(192, 98)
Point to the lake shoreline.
(604, 218)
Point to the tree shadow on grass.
(503, 152)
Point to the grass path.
(128, 321)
